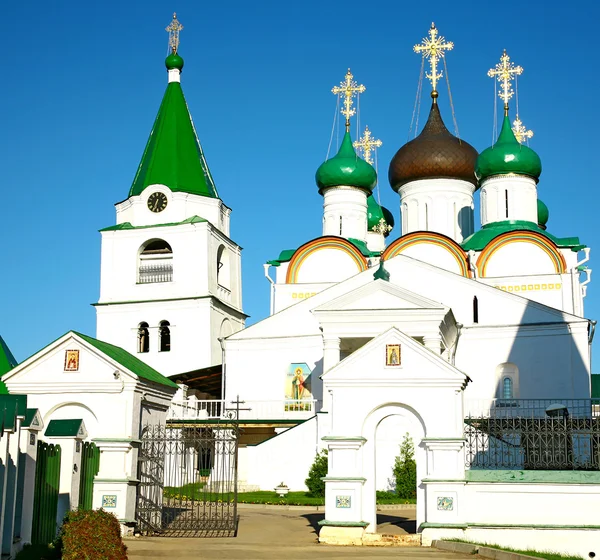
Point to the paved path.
(283, 535)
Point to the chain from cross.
(367, 144)
(173, 29)
(433, 48)
(505, 71)
(520, 131)
(348, 88)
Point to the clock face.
(157, 202)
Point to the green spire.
(543, 214)
(173, 155)
(507, 156)
(346, 169)
(381, 273)
(7, 360)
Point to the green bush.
(39, 552)
(405, 470)
(316, 486)
(92, 535)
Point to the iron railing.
(151, 273)
(533, 434)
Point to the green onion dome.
(507, 156)
(543, 214)
(435, 153)
(346, 169)
(376, 213)
(174, 61)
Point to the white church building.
(368, 337)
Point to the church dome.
(174, 61)
(346, 169)
(435, 153)
(376, 213)
(542, 213)
(507, 156)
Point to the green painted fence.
(45, 500)
(90, 464)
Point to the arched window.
(155, 262)
(507, 388)
(475, 310)
(223, 268)
(164, 333)
(143, 336)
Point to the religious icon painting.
(392, 354)
(71, 360)
(297, 385)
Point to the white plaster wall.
(441, 205)
(522, 199)
(180, 206)
(290, 294)
(345, 212)
(519, 258)
(433, 254)
(326, 265)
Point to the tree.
(405, 470)
(316, 486)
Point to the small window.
(507, 388)
(165, 336)
(475, 310)
(143, 338)
(506, 202)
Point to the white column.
(508, 197)
(28, 448)
(331, 357)
(345, 212)
(434, 343)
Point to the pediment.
(379, 295)
(394, 358)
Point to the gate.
(90, 464)
(188, 480)
(45, 498)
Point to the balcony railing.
(151, 273)
(532, 408)
(287, 409)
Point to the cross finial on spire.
(505, 71)
(173, 29)
(433, 48)
(348, 88)
(520, 131)
(367, 144)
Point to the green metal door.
(90, 464)
(45, 499)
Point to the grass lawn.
(545, 555)
(195, 492)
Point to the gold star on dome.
(505, 71)
(367, 144)
(348, 88)
(433, 48)
(520, 131)
(173, 29)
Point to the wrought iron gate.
(90, 463)
(188, 479)
(45, 500)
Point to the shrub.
(405, 470)
(39, 552)
(316, 486)
(92, 535)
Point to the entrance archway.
(372, 423)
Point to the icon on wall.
(297, 382)
(392, 355)
(71, 360)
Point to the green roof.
(30, 414)
(129, 361)
(346, 169)
(376, 213)
(478, 240)
(173, 155)
(507, 156)
(11, 406)
(63, 428)
(595, 385)
(128, 225)
(7, 360)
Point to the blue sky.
(83, 82)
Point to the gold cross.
(382, 227)
(505, 71)
(173, 29)
(520, 130)
(367, 144)
(349, 88)
(433, 48)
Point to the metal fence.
(151, 273)
(534, 434)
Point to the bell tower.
(170, 283)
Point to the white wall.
(519, 190)
(345, 212)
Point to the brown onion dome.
(435, 153)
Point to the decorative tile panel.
(343, 502)
(445, 503)
(109, 501)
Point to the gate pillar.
(343, 492)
